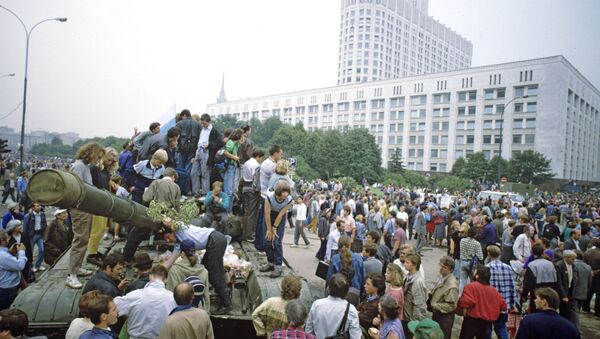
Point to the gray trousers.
(251, 210)
(299, 231)
(82, 224)
(200, 174)
(421, 240)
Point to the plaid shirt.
(469, 248)
(292, 333)
(502, 280)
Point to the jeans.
(500, 326)
(229, 184)
(7, 296)
(464, 276)
(299, 231)
(38, 239)
(200, 174)
(274, 248)
(457, 268)
(322, 250)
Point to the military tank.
(51, 305)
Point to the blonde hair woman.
(101, 173)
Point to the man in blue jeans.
(276, 206)
(34, 224)
(502, 279)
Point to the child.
(300, 223)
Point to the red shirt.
(482, 301)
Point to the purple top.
(391, 325)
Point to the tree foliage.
(360, 156)
(459, 165)
(529, 166)
(453, 183)
(57, 149)
(395, 164)
(476, 167)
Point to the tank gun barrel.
(66, 190)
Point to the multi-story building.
(386, 39)
(542, 104)
(35, 137)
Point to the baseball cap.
(59, 211)
(425, 328)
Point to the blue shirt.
(358, 280)
(502, 279)
(209, 200)
(97, 333)
(11, 267)
(198, 235)
(488, 234)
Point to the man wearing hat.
(143, 264)
(57, 237)
(14, 229)
(13, 212)
(425, 329)
(215, 244)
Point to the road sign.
(292, 162)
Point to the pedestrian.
(83, 323)
(336, 230)
(267, 168)
(443, 298)
(567, 274)
(251, 193)
(458, 232)
(361, 232)
(470, 256)
(126, 161)
(415, 291)
(186, 320)
(270, 315)
(164, 190)
(139, 139)
(277, 204)
(57, 237)
(546, 323)
(167, 143)
(501, 277)
(12, 262)
(187, 145)
(10, 186)
(384, 254)
(102, 311)
(300, 223)
(148, 308)
(108, 279)
(22, 182)
(419, 226)
(540, 272)
(215, 244)
(351, 265)
(522, 245)
(13, 211)
(371, 263)
(323, 227)
(147, 171)
(480, 304)
(296, 313)
(394, 277)
(327, 314)
(592, 258)
(399, 237)
(387, 321)
(34, 226)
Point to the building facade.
(546, 105)
(387, 39)
(34, 138)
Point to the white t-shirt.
(77, 327)
(301, 212)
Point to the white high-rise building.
(542, 104)
(387, 39)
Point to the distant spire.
(221, 99)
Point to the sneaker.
(307, 246)
(266, 268)
(294, 245)
(83, 272)
(117, 238)
(74, 283)
(276, 273)
(35, 269)
(106, 235)
(41, 268)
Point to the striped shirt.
(470, 247)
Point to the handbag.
(322, 269)
(341, 334)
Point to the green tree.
(453, 183)
(303, 169)
(459, 165)
(476, 167)
(110, 141)
(395, 164)
(414, 179)
(529, 166)
(291, 138)
(393, 178)
(262, 132)
(56, 141)
(329, 154)
(504, 167)
(226, 121)
(308, 152)
(361, 156)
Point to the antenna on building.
(221, 99)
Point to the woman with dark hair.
(350, 265)
(388, 323)
(369, 308)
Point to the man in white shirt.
(300, 223)
(251, 194)
(209, 143)
(147, 308)
(267, 168)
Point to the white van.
(493, 194)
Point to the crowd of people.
(509, 265)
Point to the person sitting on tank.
(57, 237)
(270, 315)
(146, 172)
(108, 280)
(214, 243)
(183, 266)
(217, 204)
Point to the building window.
(499, 108)
(530, 123)
(531, 106)
(397, 102)
(328, 108)
(434, 153)
(529, 138)
(460, 139)
(518, 123)
(313, 109)
(487, 124)
(470, 139)
(445, 125)
(343, 106)
(441, 98)
(488, 109)
(397, 115)
(467, 96)
(360, 105)
(487, 139)
(517, 139)
(470, 124)
(417, 100)
(380, 103)
(460, 125)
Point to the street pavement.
(304, 263)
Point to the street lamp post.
(502, 136)
(27, 36)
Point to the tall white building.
(546, 104)
(386, 39)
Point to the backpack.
(220, 159)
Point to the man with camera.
(12, 262)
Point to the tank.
(51, 305)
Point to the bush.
(453, 184)
(391, 178)
(414, 179)
(348, 183)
